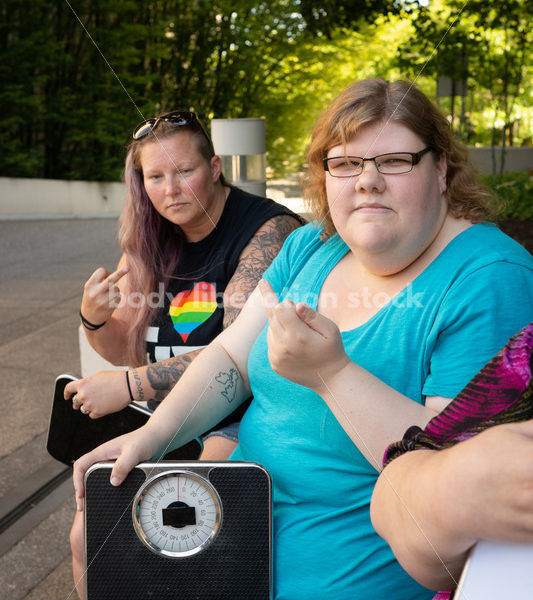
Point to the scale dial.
(177, 513)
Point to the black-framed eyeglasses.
(179, 118)
(391, 163)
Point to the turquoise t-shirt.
(430, 339)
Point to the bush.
(514, 192)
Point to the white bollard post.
(241, 145)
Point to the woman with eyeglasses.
(368, 321)
(194, 248)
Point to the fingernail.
(303, 310)
(115, 481)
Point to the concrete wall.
(516, 159)
(57, 199)
(54, 199)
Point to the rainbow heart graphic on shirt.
(191, 308)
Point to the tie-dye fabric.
(502, 392)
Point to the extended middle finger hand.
(117, 275)
(279, 314)
(113, 290)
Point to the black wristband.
(129, 387)
(90, 326)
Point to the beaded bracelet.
(90, 326)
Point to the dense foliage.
(76, 76)
(513, 193)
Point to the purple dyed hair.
(151, 243)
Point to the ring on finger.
(84, 410)
(75, 399)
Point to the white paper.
(497, 571)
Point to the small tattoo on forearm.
(138, 385)
(229, 381)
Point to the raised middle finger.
(117, 275)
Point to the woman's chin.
(373, 241)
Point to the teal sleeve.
(479, 314)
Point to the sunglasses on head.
(178, 118)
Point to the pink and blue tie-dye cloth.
(502, 392)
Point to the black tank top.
(192, 309)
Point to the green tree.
(487, 45)
(76, 76)
(315, 72)
(60, 103)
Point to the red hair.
(370, 101)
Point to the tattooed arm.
(156, 381)
(162, 376)
(107, 391)
(254, 261)
(212, 387)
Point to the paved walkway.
(43, 265)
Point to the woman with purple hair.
(194, 248)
